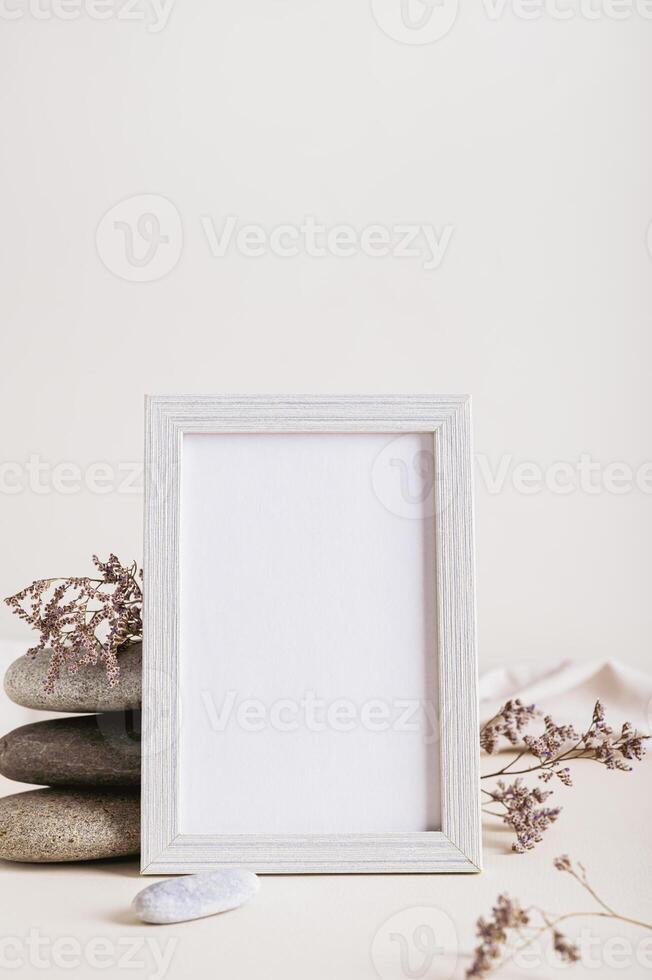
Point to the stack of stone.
(90, 763)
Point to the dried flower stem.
(83, 619)
(522, 806)
(509, 919)
(570, 755)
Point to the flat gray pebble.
(86, 690)
(51, 825)
(194, 896)
(90, 750)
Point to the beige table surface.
(325, 927)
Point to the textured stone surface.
(93, 750)
(86, 690)
(194, 896)
(46, 825)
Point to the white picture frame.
(172, 422)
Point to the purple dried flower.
(563, 863)
(565, 949)
(524, 812)
(511, 929)
(551, 750)
(554, 737)
(493, 933)
(601, 743)
(510, 721)
(82, 619)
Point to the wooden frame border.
(457, 847)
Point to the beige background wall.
(525, 144)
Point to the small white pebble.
(194, 896)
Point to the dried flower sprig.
(84, 620)
(523, 811)
(510, 721)
(522, 808)
(511, 928)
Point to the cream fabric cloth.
(569, 689)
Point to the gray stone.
(92, 750)
(194, 896)
(47, 825)
(85, 691)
